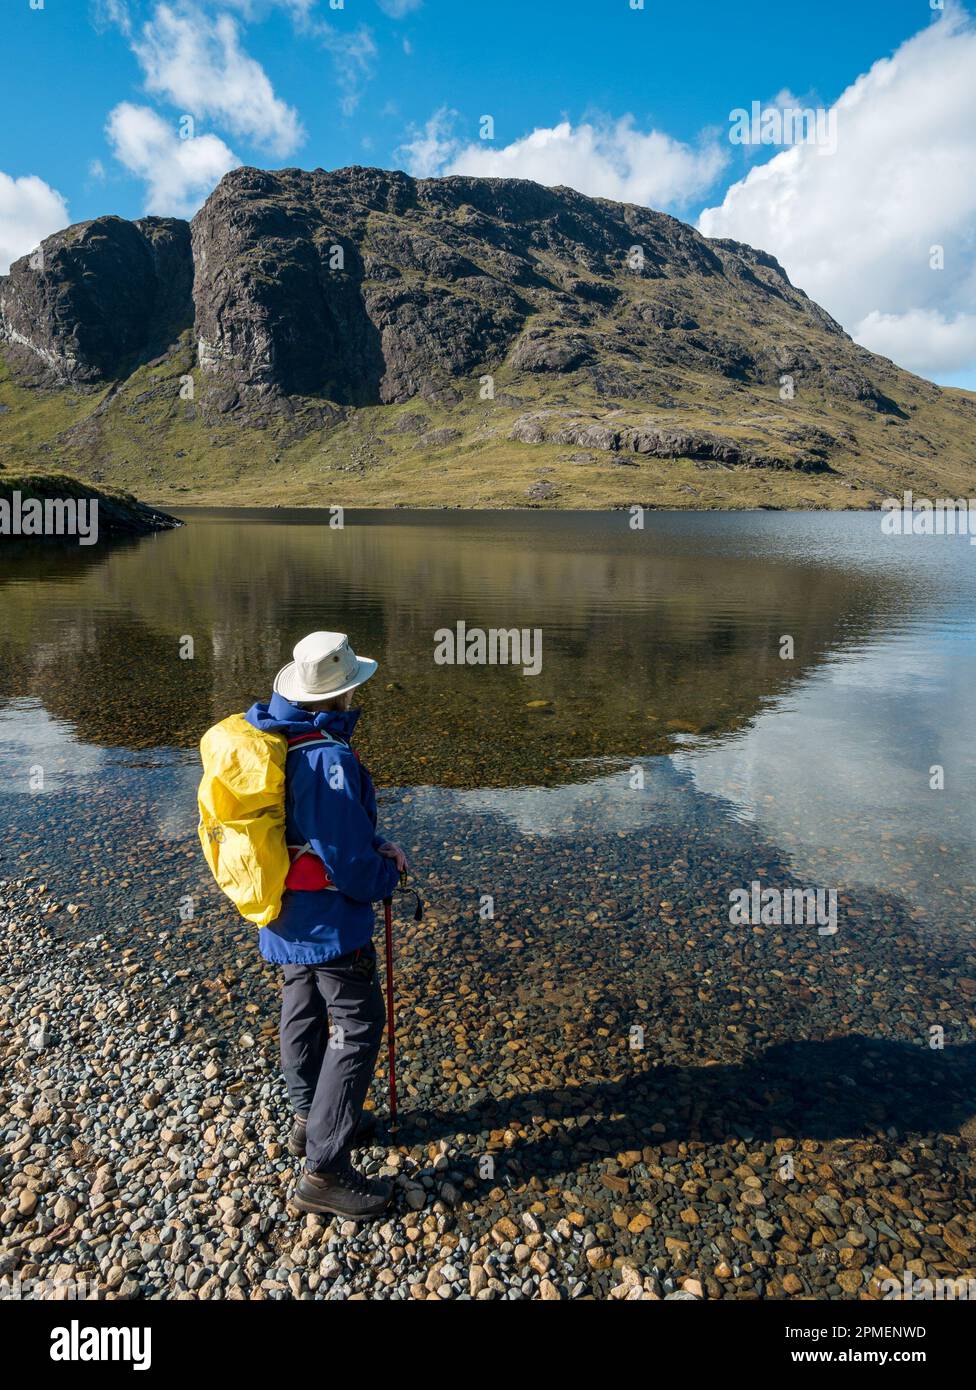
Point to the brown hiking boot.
(296, 1137)
(364, 1133)
(346, 1192)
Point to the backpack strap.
(312, 875)
(314, 736)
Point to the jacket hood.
(279, 716)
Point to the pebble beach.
(140, 1160)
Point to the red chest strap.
(307, 873)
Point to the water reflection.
(666, 700)
(646, 635)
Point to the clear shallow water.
(660, 650)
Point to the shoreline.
(114, 514)
(178, 1222)
(146, 1157)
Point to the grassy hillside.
(140, 436)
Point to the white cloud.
(922, 335)
(427, 153)
(607, 159)
(30, 210)
(196, 62)
(856, 228)
(179, 173)
(396, 9)
(353, 53)
(109, 12)
(253, 9)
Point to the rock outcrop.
(372, 287)
(96, 299)
(120, 515)
(806, 451)
(356, 286)
(368, 287)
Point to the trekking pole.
(390, 1021)
(418, 916)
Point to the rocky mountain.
(96, 299)
(450, 340)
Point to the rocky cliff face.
(97, 298)
(366, 286)
(363, 287)
(359, 286)
(502, 308)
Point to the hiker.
(322, 936)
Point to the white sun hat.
(324, 665)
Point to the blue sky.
(614, 100)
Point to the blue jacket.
(330, 804)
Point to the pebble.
(552, 1161)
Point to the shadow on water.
(839, 1088)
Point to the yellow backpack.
(242, 815)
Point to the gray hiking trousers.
(328, 1077)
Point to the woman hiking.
(322, 937)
